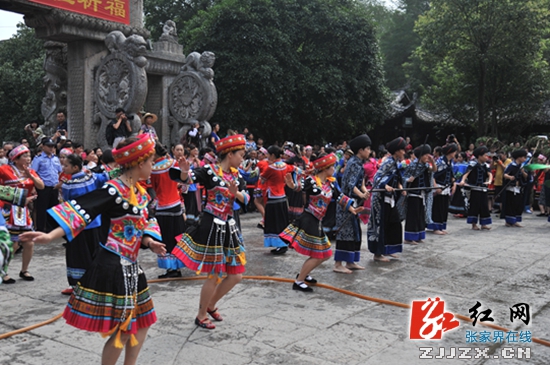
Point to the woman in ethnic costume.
(306, 234)
(192, 199)
(478, 177)
(385, 232)
(445, 181)
(295, 198)
(18, 218)
(80, 252)
(259, 189)
(418, 175)
(178, 151)
(17, 197)
(370, 167)
(215, 246)
(349, 233)
(112, 297)
(276, 207)
(459, 200)
(515, 180)
(168, 213)
(63, 177)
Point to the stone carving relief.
(192, 94)
(121, 81)
(55, 83)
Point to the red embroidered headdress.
(325, 162)
(134, 153)
(230, 143)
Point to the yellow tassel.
(141, 189)
(118, 342)
(242, 256)
(125, 326)
(133, 341)
(110, 333)
(318, 180)
(133, 197)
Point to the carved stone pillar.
(192, 95)
(120, 81)
(55, 83)
(83, 57)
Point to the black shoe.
(541, 215)
(308, 280)
(26, 276)
(303, 288)
(260, 226)
(279, 250)
(9, 281)
(170, 274)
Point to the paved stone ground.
(268, 323)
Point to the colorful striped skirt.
(108, 294)
(214, 247)
(307, 237)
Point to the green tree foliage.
(21, 88)
(306, 70)
(483, 60)
(157, 12)
(398, 40)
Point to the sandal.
(214, 314)
(26, 276)
(205, 323)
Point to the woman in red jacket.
(276, 207)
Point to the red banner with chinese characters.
(113, 10)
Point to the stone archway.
(94, 66)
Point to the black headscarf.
(480, 151)
(422, 150)
(449, 148)
(359, 142)
(397, 144)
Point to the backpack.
(110, 134)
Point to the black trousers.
(47, 198)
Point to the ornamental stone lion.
(133, 47)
